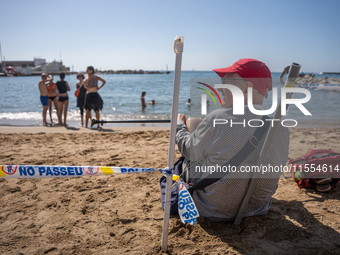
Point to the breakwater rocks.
(38, 73)
(313, 80)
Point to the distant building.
(19, 66)
(37, 66)
(51, 67)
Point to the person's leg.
(44, 102)
(56, 106)
(44, 115)
(61, 112)
(50, 108)
(88, 114)
(82, 116)
(97, 117)
(65, 112)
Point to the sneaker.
(323, 181)
(323, 187)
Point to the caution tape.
(186, 207)
(29, 171)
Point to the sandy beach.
(121, 214)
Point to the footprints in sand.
(304, 140)
(13, 189)
(84, 211)
(87, 151)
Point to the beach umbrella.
(293, 72)
(178, 49)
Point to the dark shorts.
(63, 98)
(52, 98)
(44, 100)
(93, 101)
(81, 98)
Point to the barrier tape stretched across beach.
(30, 171)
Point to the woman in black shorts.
(52, 98)
(81, 96)
(93, 101)
(63, 87)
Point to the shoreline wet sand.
(122, 213)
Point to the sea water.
(20, 100)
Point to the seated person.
(212, 146)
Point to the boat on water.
(10, 71)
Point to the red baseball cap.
(251, 70)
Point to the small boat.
(10, 71)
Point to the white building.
(24, 67)
(51, 67)
(38, 65)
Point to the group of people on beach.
(87, 94)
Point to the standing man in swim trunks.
(43, 95)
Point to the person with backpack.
(215, 154)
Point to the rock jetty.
(313, 80)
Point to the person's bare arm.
(102, 80)
(68, 87)
(86, 82)
(181, 117)
(40, 84)
(42, 88)
(49, 78)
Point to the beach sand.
(121, 214)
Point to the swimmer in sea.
(152, 102)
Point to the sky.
(134, 34)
